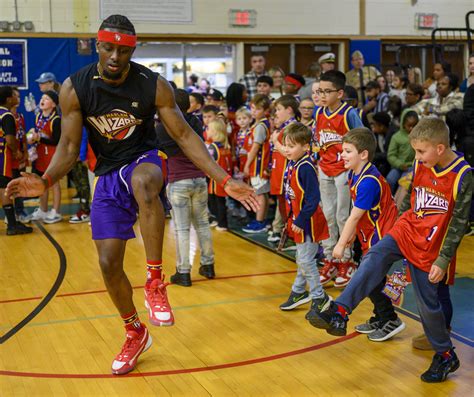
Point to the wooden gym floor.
(230, 338)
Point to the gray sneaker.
(295, 300)
(387, 330)
(368, 327)
(319, 305)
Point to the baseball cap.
(45, 77)
(216, 95)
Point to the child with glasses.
(333, 120)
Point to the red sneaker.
(134, 345)
(156, 301)
(345, 271)
(328, 272)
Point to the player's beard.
(110, 76)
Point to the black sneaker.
(369, 326)
(207, 271)
(440, 367)
(295, 300)
(183, 279)
(387, 330)
(330, 320)
(19, 228)
(319, 305)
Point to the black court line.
(52, 291)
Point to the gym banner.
(14, 63)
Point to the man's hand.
(296, 229)
(242, 192)
(28, 185)
(436, 274)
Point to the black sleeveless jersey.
(119, 119)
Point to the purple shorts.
(114, 209)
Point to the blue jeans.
(392, 178)
(188, 198)
(307, 270)
(374, 267)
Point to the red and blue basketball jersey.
(20, 139)
(420, 231)
(379, 219)
(329, 130)
(224, 159)
(261, 162)
(279, 163)
(6, 155)
(296, 185)
(44, 125)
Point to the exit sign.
(243, 18)
(426, 21)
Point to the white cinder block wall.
(274, 17)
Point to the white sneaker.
(38, 215)
(52, 217)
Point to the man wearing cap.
(257, 62)
(215, 98)
(360, 75)
(116, 100)
(47, 82)
(327, 62)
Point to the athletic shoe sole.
(318, 322)
(51, 221)
(400, 328)
(148, 344)
(296, 304)
(251, 231)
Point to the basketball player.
(116, 100)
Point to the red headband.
(117, 38)
(293, 81)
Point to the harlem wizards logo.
(328, 138)
(429, 202)
(290, 193)
(116, 125)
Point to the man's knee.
(147, 185)
(109, 266)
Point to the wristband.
(48, 179)
(225, 180)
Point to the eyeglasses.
(325, 92)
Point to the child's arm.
(251, 157)
(276, 144)
(348, 232)
(308, 180)
(367, 196)
(456, 229)
(392, 155)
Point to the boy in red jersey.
(257, 146)
(427, 236)
(333, 120)
(9, 150)
(372, 216)
(306, 224)
(286, 109)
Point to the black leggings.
(218, 209)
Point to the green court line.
(179, 308)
